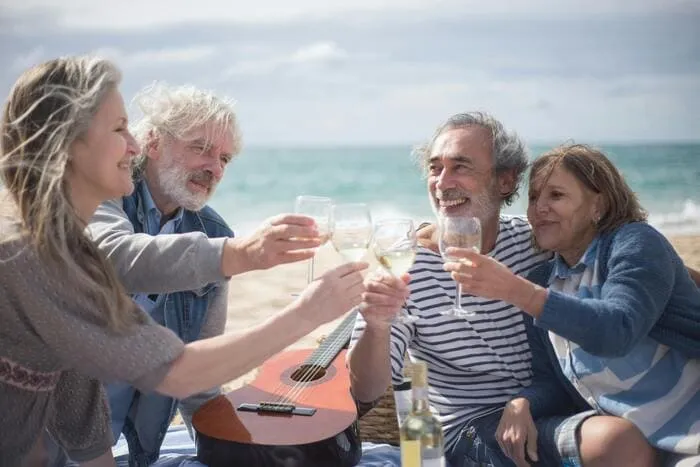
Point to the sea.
(264, 181)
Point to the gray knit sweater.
(54, 353)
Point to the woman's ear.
(598, 208)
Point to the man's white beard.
(482, 206)
(173, 180)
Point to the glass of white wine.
(459, 232)
(395, 244)
(351, 227)
(318, 208)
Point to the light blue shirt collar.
(153, 214)
(562, 271)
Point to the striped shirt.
(475, 364)
(653, 386)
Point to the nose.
(541, 205)
(132, 147)
(215, 165)
(444, 180)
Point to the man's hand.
(516, 431)
(282, 239)
(383, 299)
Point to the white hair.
(178, 110)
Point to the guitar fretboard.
(334, 343)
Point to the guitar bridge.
(277, 408)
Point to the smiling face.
(461, 180)
(185, 172)
(563, 213)
(100, 165)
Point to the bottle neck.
(420, 399)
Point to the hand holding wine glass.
(351, 230)
(395, 245)
(318, 208)
(459, 232)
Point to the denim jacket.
(184, 313)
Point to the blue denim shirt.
(144, 425)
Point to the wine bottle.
(422, 443)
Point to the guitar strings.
(308, 373)
(299, 388)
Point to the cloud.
(137, 14)
(316, 54)
(158, 57)
(321, 52)
(389, 71)
(33, 57)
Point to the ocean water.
(262, 182)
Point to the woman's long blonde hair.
(50, 106)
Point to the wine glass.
(318, 208)
(395, 244)
(352, 230)
(460, 232)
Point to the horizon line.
(339, 145)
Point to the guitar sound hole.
(306, 373)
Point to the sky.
(361, 72)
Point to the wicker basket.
(379, 425)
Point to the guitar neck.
(334, 343)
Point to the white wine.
(353, 254)
(398, 262)
(422, 442)
(352, 243)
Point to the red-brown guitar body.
(233, 429)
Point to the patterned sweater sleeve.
(81, 422)
(69, 324)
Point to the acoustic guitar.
(297, 412)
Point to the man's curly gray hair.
(508, 150)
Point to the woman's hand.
(479, 274)
(334, 293)
(485, 277)
(516, 431)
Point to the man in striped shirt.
(476, 364)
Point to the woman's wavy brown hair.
(51, 106)
(597, 173)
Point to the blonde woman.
(67, 323)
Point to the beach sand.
(257, 295)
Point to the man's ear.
(506, 183)
(153, 145)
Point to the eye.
(226, 159)
(434, 169)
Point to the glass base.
(405, 318)
(458, 312)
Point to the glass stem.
(458, 297)
(310, 275)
